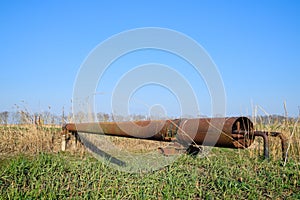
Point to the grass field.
(31, 166)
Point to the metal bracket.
(283, 138)
(264, 135)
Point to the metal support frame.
(264, 135)
(283, 138)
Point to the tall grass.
(290, 128)
(29, 139)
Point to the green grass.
(225, 174)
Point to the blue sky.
(255, 45)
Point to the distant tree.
(119, 118)
(136, 117)
(25, 118)
(47, 117)
(106, 117)
(15, 118)
(4, 117)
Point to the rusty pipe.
(233, 132)
(161, 130)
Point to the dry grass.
(28, 139)
(290, 128)
(136, 145)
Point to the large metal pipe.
(234, 132)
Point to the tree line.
(46, 117)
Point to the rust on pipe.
(237, 132)
(154, 130)
(233, 132)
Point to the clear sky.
(255, 45)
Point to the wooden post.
(63, 142)
(74, 137)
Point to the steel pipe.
(233, 132)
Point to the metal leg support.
(284, 144)
(264, 135)
(283, 138)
